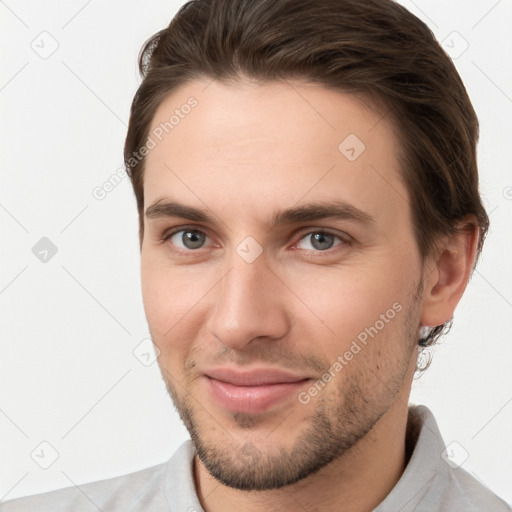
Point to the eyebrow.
(307, 212)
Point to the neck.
(356, 482)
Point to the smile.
(252, 392)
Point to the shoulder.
(451, 488)
(462, 491)
(433, 481)
(113, 494)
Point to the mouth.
(254, 391)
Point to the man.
(306, 181)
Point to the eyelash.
(344, 241)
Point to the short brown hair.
(375, 49)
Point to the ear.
(448, 272)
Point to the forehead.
(258, 145)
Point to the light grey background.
(69, 326)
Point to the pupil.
(192, 239)
(322, 241)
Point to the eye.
(187, 239)
(319, 241)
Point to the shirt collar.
(424, 466)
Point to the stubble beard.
(336, 425)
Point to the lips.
(253, 391)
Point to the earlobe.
(449, 274)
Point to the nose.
(248, 305)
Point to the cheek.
(369, 344)
(173, 301)
(164, 301)
(155, 294)
(350, 302)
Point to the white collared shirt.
(429, 484)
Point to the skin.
(243, 153)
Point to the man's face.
(281, 343)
